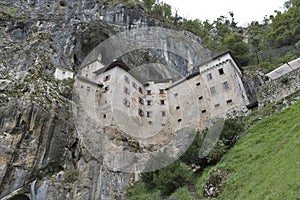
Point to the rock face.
(41, 155)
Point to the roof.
(284, 69)
(121, 64)
(64, 68)
(184, 79)
(220, 54)
(84, 79)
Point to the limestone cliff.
(41, 156)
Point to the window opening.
(141, 112)
(141, 90)
(148, 102)
(148, 114)
(209, 76)
(106, 89)
(134, 85)
(221, 71)
(126, 102)
(126, 90)
(225, 85)
(141, 101)
(213, 90)
(229, 101)
(106, 78)
(126, 79)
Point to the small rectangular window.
(148, 114)
(229, 101)
(217, 105)
(126, 90)
(141, 90)
(106, 78)
(88, 88)
(177, 107)
(163, 124)
(209, 76)
(213, 90)
(197, 84)
(106, 89)
(149, 92)
(200, 98)
(126, 79)
(163, 113)
(104, 116)
(203, 111)
(126, 102)
(179, 120)
(176, 94)
(134, 85)
(150, 122)
(161, 91)
(141, 112)
(86, 75)
(221, 71)
(149, 102)
(162, 102)
(141, 101)
(225, 85)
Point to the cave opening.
(20, 197)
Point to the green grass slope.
(265, 163)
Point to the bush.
(174, 176)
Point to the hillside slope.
(265, 163)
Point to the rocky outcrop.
(40, 153)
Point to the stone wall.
(280, 88)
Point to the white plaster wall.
(236, 91)
(88, 71)
(61, 74)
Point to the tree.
(236, 44)
(149, 4)
(168, 179)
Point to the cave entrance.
(20, 197)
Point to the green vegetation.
(263, 164)
(264, 45)
(162, 183)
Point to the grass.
(265, 163)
